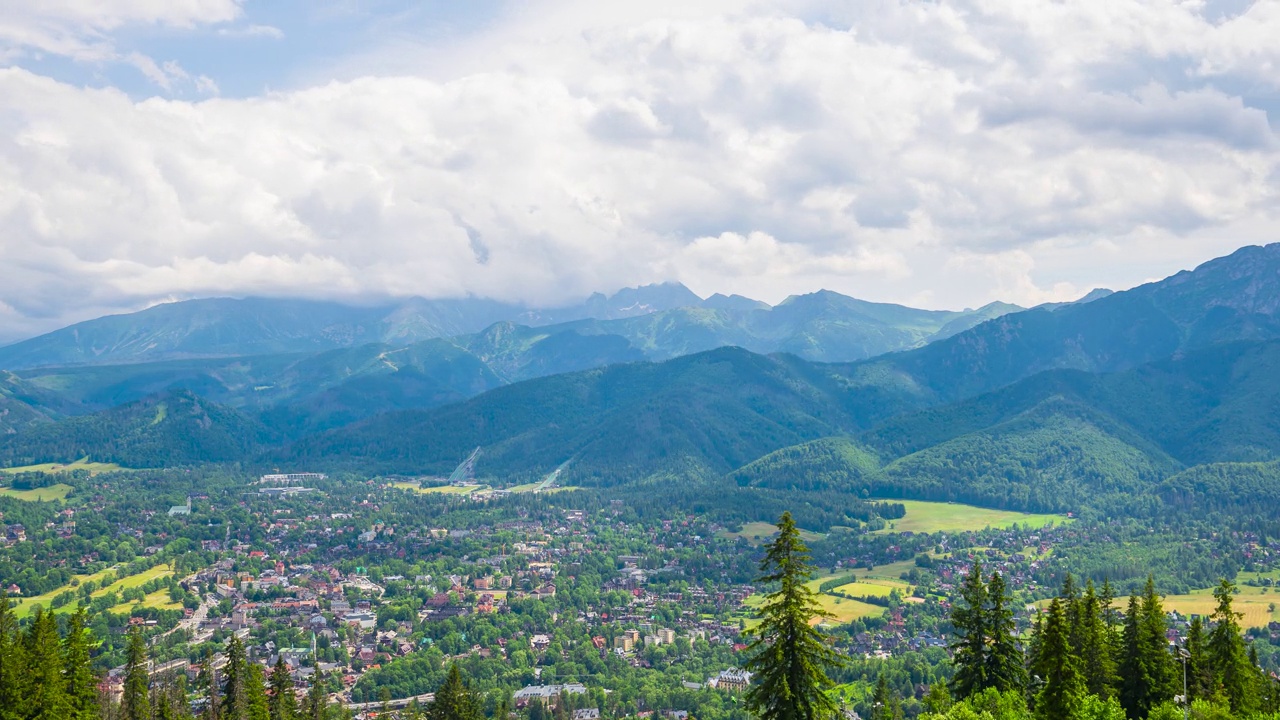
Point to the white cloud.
(953, 154)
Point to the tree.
(317, 705)
(82, 700)
(455, 701)
(46, 692)
(885, 704)
(1063, 688)
(1005, 668)
(1146, 667)
(11, 662)
(283, 704)
(255, 694)
(1097, 663)
(969, 619)
(938, 700)
(234, 677)
(788, 655)
(1227, 654)
(134, 704)
(1199, 674)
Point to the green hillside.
(170, 429)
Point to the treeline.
(1086, 660)
(46, 674)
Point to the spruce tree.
(1227, 654)
(233, 683)
(134, 704)
(81, 684)
(1199, 673)
(885, 704)
(455, 701)
(213, 696)
(1063, 689)
(969, 620)
(317, 704)
(283, 703)
(12, 664)
(46, 692)
(1155, 643)
(1097, 662)
(255, 694)
(1005, 664)
(789, 656)
(1135, 681)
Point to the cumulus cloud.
(944, 154)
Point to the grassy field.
(158, 600)
(442, 489)
(931, 517)
(1254, 602)
(24, 607)
(82, 464)
(758, 532)
(842, 610)
(58, 492)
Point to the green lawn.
(758, 532)
(46, 494)
(442, 489)
(24, 606)
(158, 600)
(82, 464)
(931, 517)
(842, 610)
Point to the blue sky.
(933, 154)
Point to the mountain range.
(1166, 391)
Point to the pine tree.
(1199, 674)
(938, 699)
(969, 620)
(1147, 669)
(213, 696)
(1227, 654)
(789, 656)
(455, 701)
(885, 704)
(1005, 664)
(1063, 689)
(134, 704)
(12, 664)
(78, 671)
(317, 705)
(283, 703)
(233, 684)
(255, 694)
(1155, 643)
(1097, 663)
(46, 692)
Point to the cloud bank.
(939, 154)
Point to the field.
(45, 494)
(758, 532)
(82, 464)
(441, 489)
(158, 600)
(842, 610)
(1254, 602)
(24, 606)
(931, 517)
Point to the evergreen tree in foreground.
(234, 677)
(789, 656)
(1227, 654)
(82, 698)
(1063, 690)
(283, 704)
(134, 704)
(12, 667)
(455, 701)
(46, 691)
(1006, 669)
(969, 618)
(255, 694)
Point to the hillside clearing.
(931, 517)
(758, 532)
(57, 492)
(82, 464)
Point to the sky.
(935, 154)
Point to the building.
(623, 643)
(731, 680)
(666, 636)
